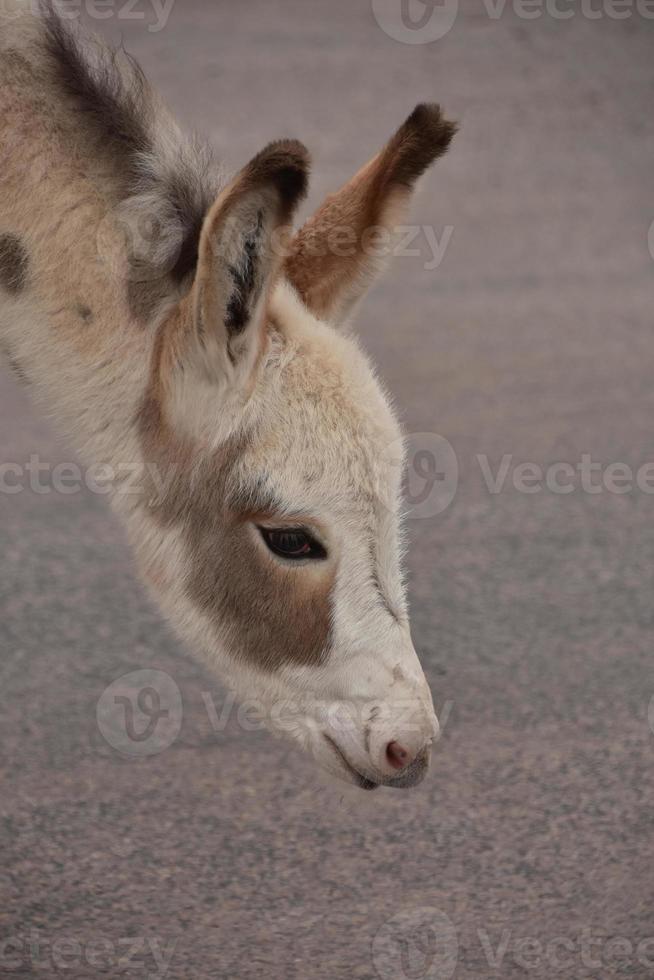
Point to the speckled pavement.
(531, 845)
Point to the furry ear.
(335, 257)
(210, 346)
(241, 252)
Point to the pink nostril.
(397, 755)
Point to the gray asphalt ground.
(226, 854)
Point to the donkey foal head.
(276, 544)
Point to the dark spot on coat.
(14, 264)
(84, 312)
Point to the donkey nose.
(398, 757)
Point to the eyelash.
(293, 544)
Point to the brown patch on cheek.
(273, 615)
(270, 615)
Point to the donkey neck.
(66, 321)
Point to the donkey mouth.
(414, 773)
(363, 782)
(411, 776)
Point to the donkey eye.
(294, 544)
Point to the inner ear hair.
(329, 263)
(241, 249)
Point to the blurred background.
(525, 338)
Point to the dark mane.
(119, 117)
(113, 100)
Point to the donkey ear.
(240, 253)
(338, 253)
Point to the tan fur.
(338, 252)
